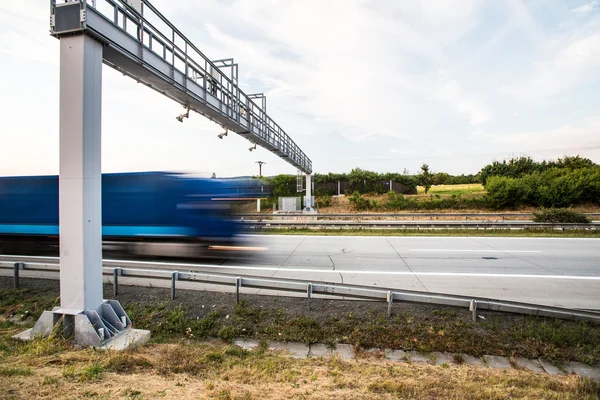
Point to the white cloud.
(572, 61)
(450, 91)
(586, 8)
(583, 136)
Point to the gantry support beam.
(165, 60)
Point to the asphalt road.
(551, 271)
(560, 272)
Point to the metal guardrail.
(378, 224)
(18, 263)
(394, 215)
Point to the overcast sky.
(380, 85)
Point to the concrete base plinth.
(106, 327)
(126, 340)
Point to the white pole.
(257, 205)
(308, 199)
(80, 190)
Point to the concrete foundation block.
(319, 350)
(497, 362)
(126, 340)
(344, 351)
(531, 365)
(443, 358)
(298, 350)
(552, 369)
(586, 370)
(395, 355)
(470, 360)
(418, 358)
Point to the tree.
(425, 177)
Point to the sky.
(375, 84)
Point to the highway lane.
(553, 271)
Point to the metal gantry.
(141, 43)
(134, 38)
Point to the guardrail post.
(473, 309)
(238, 285)
(308, 293)
(17, 267)
(174, 277)
(116, 272)
(390, 300)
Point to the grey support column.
(80, 173)
(308, 205)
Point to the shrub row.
(556, 187)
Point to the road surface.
(560, 272)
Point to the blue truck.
(154, 213)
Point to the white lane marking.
(356, 272)
(421, 237)
(476, 250)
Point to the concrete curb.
(347, 352)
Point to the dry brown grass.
(217, 371)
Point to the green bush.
(560, 215)
(554, 187)
(359, 203)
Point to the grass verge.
(183, 361)
(573, 233)
(220, 371)
(196, 316)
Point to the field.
(466, 189)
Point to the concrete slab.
(371, 353)
(531, 365)
(419, 358)
(443, 358)
(395, 355)
(25, 335)
(582, 369)
(497, 362)
(552, 369)
(126, 340)
(470, 360)
(344, 351)
(276, 346)
(250, 344)
(298, 350)
(319, 350)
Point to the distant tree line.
(509, 184)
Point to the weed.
(235, 351)
(68, 371)
(50, 380)
(588, 386)
(15, 371)
(213, 357)
(458, 358)
(228, 333)
(132, 394)
(126, 361)
(92, 372)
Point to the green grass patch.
(15, 371)
(93, 371)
